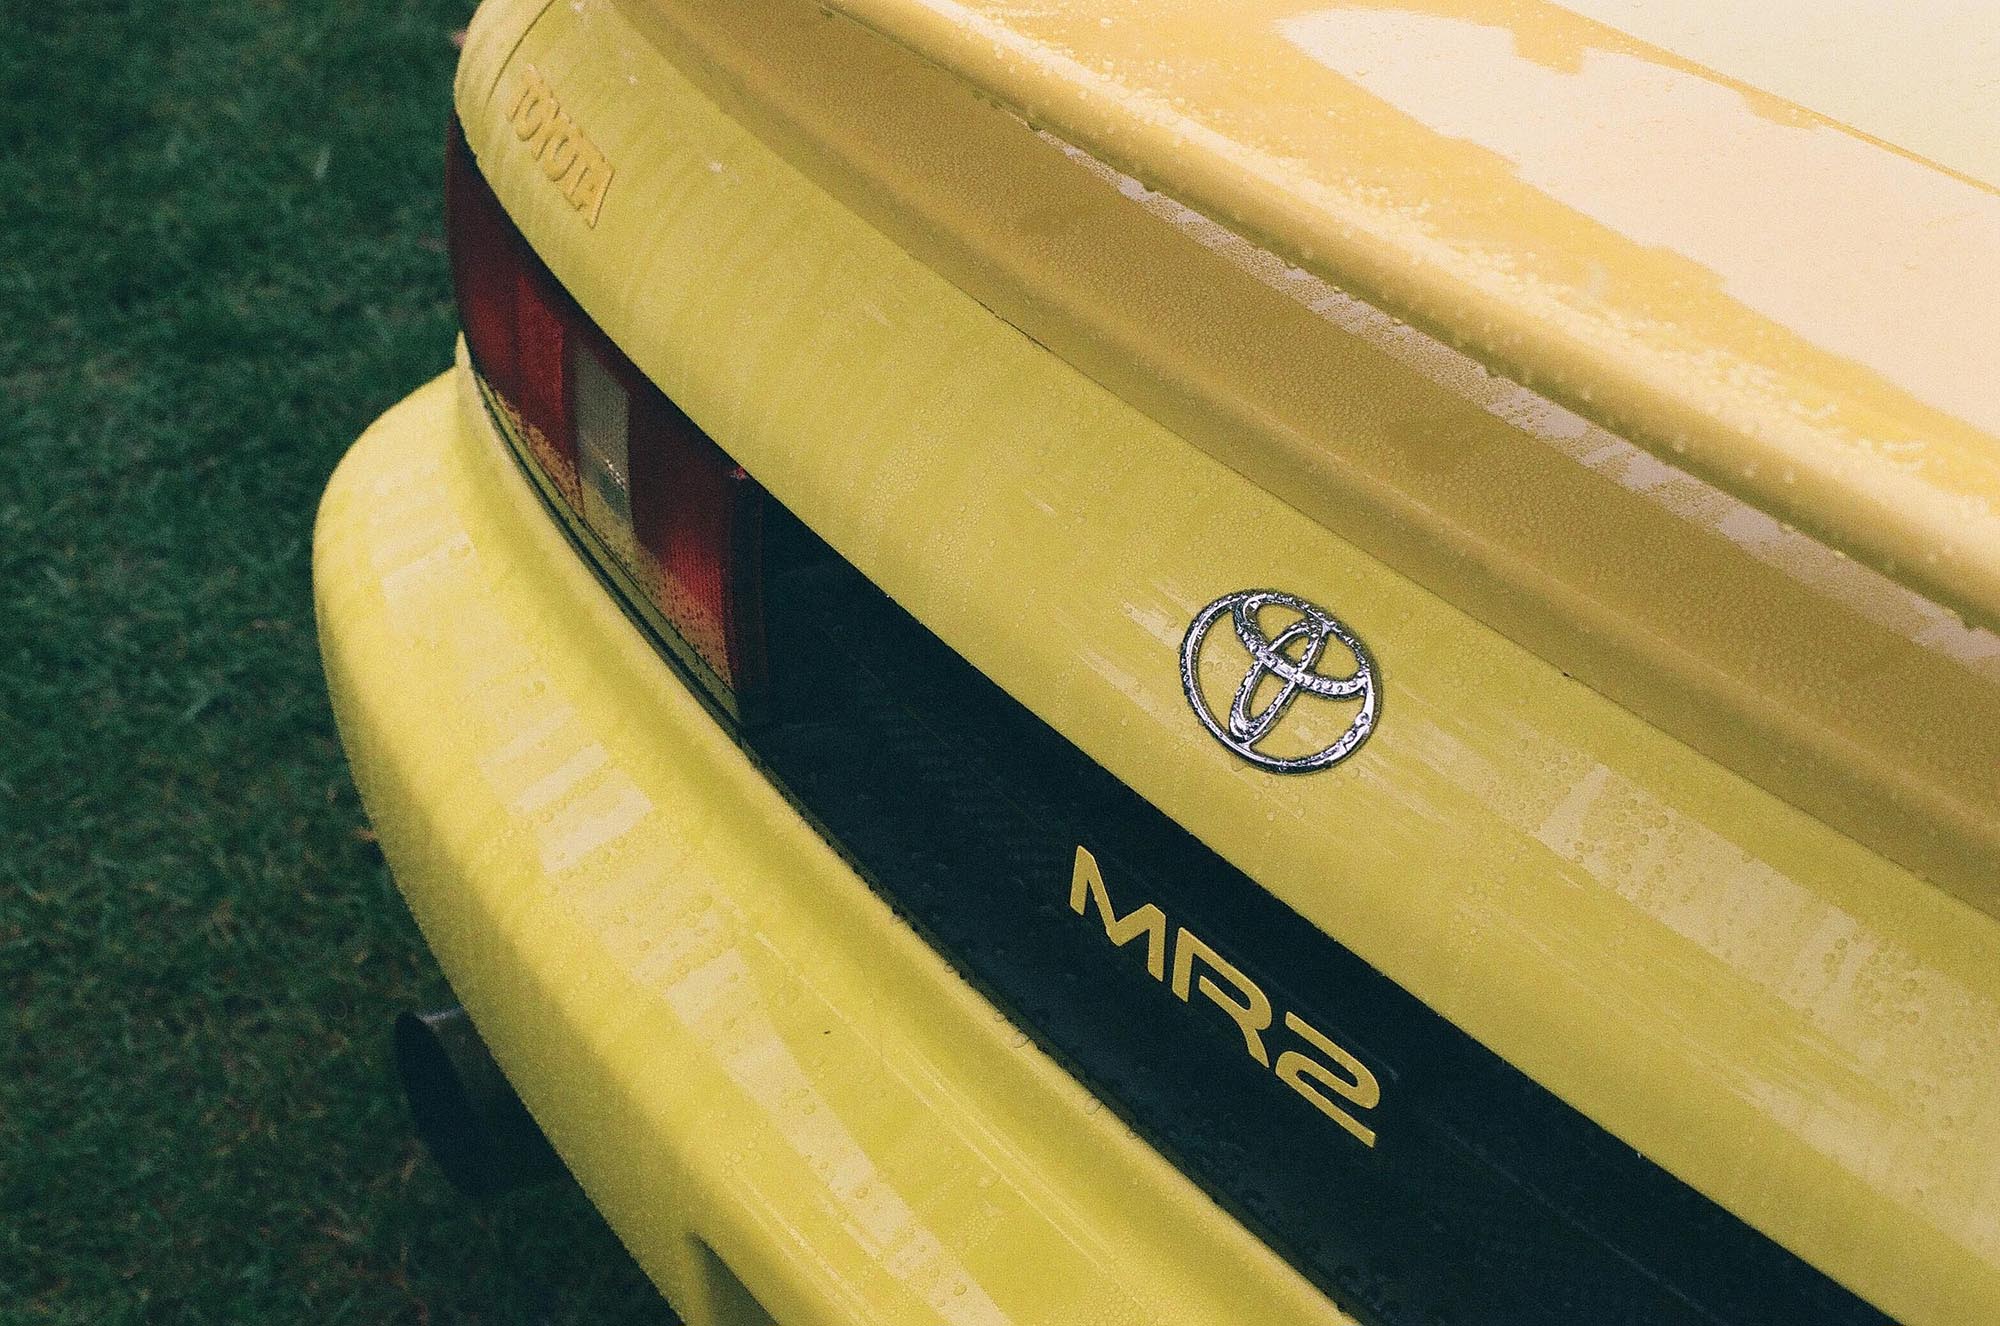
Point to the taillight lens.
(677, 520)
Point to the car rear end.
(801, 662)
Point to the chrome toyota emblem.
(1285, 666)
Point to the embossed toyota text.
(564, 154)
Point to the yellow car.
(1108, 662)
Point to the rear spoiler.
(1806, 317)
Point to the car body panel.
(1803, 314)
(1708, 617)
(1780, 1016)
(745, 1057)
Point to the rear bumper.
(768, 1084)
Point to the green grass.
(220, 256)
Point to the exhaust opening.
(464, 1109)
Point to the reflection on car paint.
(1675, 160)
(1808, 561)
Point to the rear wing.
(1806, 317)
(1253, 312)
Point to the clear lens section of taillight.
(675, 518)
(603, 412)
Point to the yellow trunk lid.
(1806, 315)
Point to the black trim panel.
(1484, 1200)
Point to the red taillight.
(483, 267)
(661, 502)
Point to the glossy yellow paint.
(828, 251)
(1803, 314)
(1705, 616)
(775, 1092)
(1775, 1013)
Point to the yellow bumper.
(781, 1099)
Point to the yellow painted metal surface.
(780, 1098)
(1790, 1021)
(1805, 315)
(1839, 689)
(1775, 1013)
